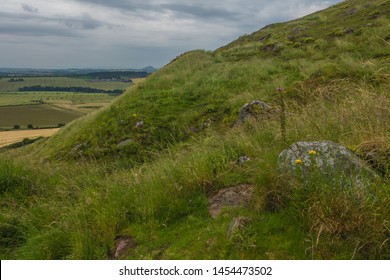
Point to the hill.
(143, 170)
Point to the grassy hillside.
(144, 167)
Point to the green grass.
(71, 196)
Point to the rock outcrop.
(238, 196)
(327, 158)
(256, 108)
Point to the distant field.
(38, 115)
(27, 98)
(10, 137)
(50, 108)
(6, 86)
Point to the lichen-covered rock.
(238, 196)
(243, 159)
(327, 158)
(254, 109)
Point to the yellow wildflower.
(312, 152)
(298, 161)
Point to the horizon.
(77, 68)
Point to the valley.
(29, 105)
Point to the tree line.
(15, 80)
(114, 92)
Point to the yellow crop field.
(10, 137)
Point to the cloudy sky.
(130, 33)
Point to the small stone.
(256, 108)
(299, 29)
(272, 47)
(207, 123)
(238, 196)
(139, 124)
(351, 11)
(243, 159)
(124, 243)
(265, 37)
(78, 149)
(125, 142)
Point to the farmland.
(10, 137)
(7, 86)
(22, 113)
(50, 108)
(80, 102)
(83, 102)
(43, 115)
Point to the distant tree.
(16, 126)
(61, 124)
(14, 80)
(30, 126)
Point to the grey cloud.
(189, 9)
(30, 9)
(200, 12)
(56, 25)
(133, 5)
(4, 16)
(241, 15)
(85, 22)
(29, 30)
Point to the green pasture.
(27, 98)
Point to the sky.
(130, 33)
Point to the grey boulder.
(324, 158)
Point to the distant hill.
(149, 69)
(65, 72)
